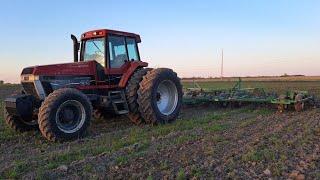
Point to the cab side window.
(117, 51)
(132, 49)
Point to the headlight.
(29, 78)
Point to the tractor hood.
(68, 69)
(40, 81)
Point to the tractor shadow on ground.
(190, 111)
(108, 125)
(120, 123)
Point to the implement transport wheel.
(160, 96)
(65, 114)
(19, 124)
(299, 105)
(132, 95)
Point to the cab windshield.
(94, 49)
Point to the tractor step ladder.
(119, 102)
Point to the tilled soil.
(205, 142)
(297, 133)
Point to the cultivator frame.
(238, 95)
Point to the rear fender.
(126, 76)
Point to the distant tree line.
(1, 82)
(293, 75)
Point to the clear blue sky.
(262, 37)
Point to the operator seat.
(118, 61)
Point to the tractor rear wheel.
(160, 96)
(132, 96)
(18, 124)
(65, 114)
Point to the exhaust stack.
(76, 45)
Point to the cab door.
(121, 50)
(118, 54)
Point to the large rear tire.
(18, 124)
(132, 96)
(160, 96)
(65, 114)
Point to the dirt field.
(205, 142)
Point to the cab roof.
(105, 32)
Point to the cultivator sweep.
(238, 96)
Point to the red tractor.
(107, 76)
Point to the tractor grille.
(30, 88)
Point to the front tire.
(160, 96)
(65, 114)
(18, 124)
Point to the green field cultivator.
(238, 96)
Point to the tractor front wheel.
(19, 124)
(65, 114)
(160, 96)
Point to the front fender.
(21, 105)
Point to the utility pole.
(221, 64)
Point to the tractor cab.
(111, 49)
(114, 51)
